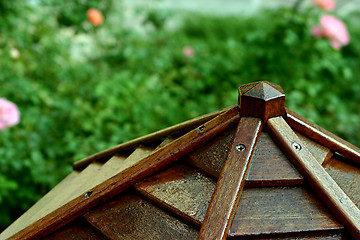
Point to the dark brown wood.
(130, 176)
(262, 100)
(210, 158)
(323, 136)
(228, 189)
(317, 235)
(266, 158)
(341, 205)
(266, 211)
(270, 167)
(347, 176)
(78, 229)
(188, 125)
(182, 190)
(131, 217)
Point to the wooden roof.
(255, 170)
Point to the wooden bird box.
(252, 171)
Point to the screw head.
(240, 148)
(296, 146)
(200, 129)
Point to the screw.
(296, 146)
(240, 148)
(200, 129)
(88, 194)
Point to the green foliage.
(82, 89)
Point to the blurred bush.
(81, 89)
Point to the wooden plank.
(267, 211)
(228, 189)
(322, 154)
(210, 158)
(347, 176)
(182, 190)
(319, 235)
(270, 167)
(130, 176)
(36, 211)
(341, 205)
(131, 217)
(78, 229)
(267, 157)
(323, 137)
(187, 125)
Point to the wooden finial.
(262, 100)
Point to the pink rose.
(95, 17)
(333, 29)
(188, 51)
(9, 114)
(326, 5)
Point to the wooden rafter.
(323, 137)
(190, 124)
(146, 167)
(226, 197)
(338, 202)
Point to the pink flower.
(333, 29)
(326, 5)
(9, 114)
(95, 17)
(188, 51)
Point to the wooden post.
(258, 102)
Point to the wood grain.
(228, 189)
(146, 167)
(182, 190)
(347, 176)
(341, 205)
(131, 217)
(187, 125)
(323, 136)
(279, 211)
(78, 229)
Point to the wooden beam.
(225, 199)
(338, 202)
(323, 136)
(193, 123)
(123, 180)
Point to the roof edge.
(192, 123)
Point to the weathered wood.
(323, 136)
(347, 176)
(130, 176)
(210, 158)
(131, 217)
(266, 211)
(37, 210)
(188, 125)
(262, 100)
(341, 205)
(182, 190)
(228, 189)
(78, 229)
